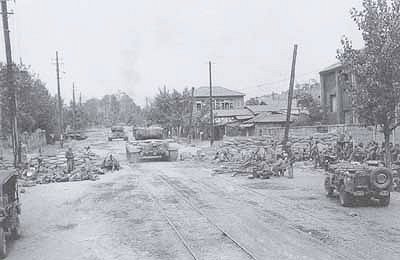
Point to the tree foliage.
(254, 101)
(171, 109)
(311, 105)
(376, 68)
(109, 110)
(36, 108)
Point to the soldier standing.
(70, 159)
(315, 153)
(358, 154)
(290, 160)
(310, 147)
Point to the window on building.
(345, 78)
(198, 106)
(218, 104)
(332, 103)
(227, 104)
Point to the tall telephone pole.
(73, 107)
(10, 84)
(60, 105)
(211, 108)
(191, 116)
(290, 95)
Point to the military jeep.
(359, 182)
(9, 210)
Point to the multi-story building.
(336, 100)
(223, 98)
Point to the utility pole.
(73, 107)
(60, 105)
(10, 85)
(191, 116)
(211, 108)
(290, 95)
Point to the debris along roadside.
(44, 169)
(264, 156)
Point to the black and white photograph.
(200, 130)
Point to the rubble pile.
(243, 156)
(325, 139)
(53, 168)
(5, 164)
(250, 168)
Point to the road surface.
(179, 210)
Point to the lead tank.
(150, 144)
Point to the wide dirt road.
(160, 210)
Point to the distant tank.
(149, 144)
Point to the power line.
(269, 83)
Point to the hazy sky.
(138, 46)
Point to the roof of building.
(332, 67)
(273, 107)
(268, 118)
(217, 92)
(242, 118)
(256, 109)
(232, 113)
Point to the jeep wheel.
(3, 243)
(328, 188)
(384, 201)
(346, 199)
(381, 178)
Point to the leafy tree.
(311, 105)
(129, 112)
(93, 112)
(171, 110)
(35, 105)
(109, 110)
(254, 102)
(376, 67)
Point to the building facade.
(223, 98)
(336, 100)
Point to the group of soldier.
(347, 151)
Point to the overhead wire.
(262, 86)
